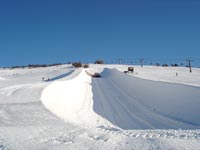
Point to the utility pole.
(189, 64)
(141, 62)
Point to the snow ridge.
(123, 101)
(72, 100)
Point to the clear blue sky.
(50, 31)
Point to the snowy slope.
(91, 121)
(72, 100)
(133, 103)
(158, 73)
(126, 101)
(1, 78)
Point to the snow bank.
(133, 103)
(125, 101)
(72, 100)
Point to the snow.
(1, 78)
(72, 100)
(149, 109)
(134, 103)
(158, 73)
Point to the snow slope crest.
(72, 100)
(125, 101)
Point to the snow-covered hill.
(134, 103)
(100, 113)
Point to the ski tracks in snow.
(13, 90)
(26, 124)
(128, 102)
(164, 134)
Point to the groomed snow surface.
(151, 108)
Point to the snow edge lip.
(77, 93)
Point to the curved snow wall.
(133, 103)
(126, 101)
(72, 100)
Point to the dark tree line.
(36, 65)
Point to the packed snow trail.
(133, 103)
